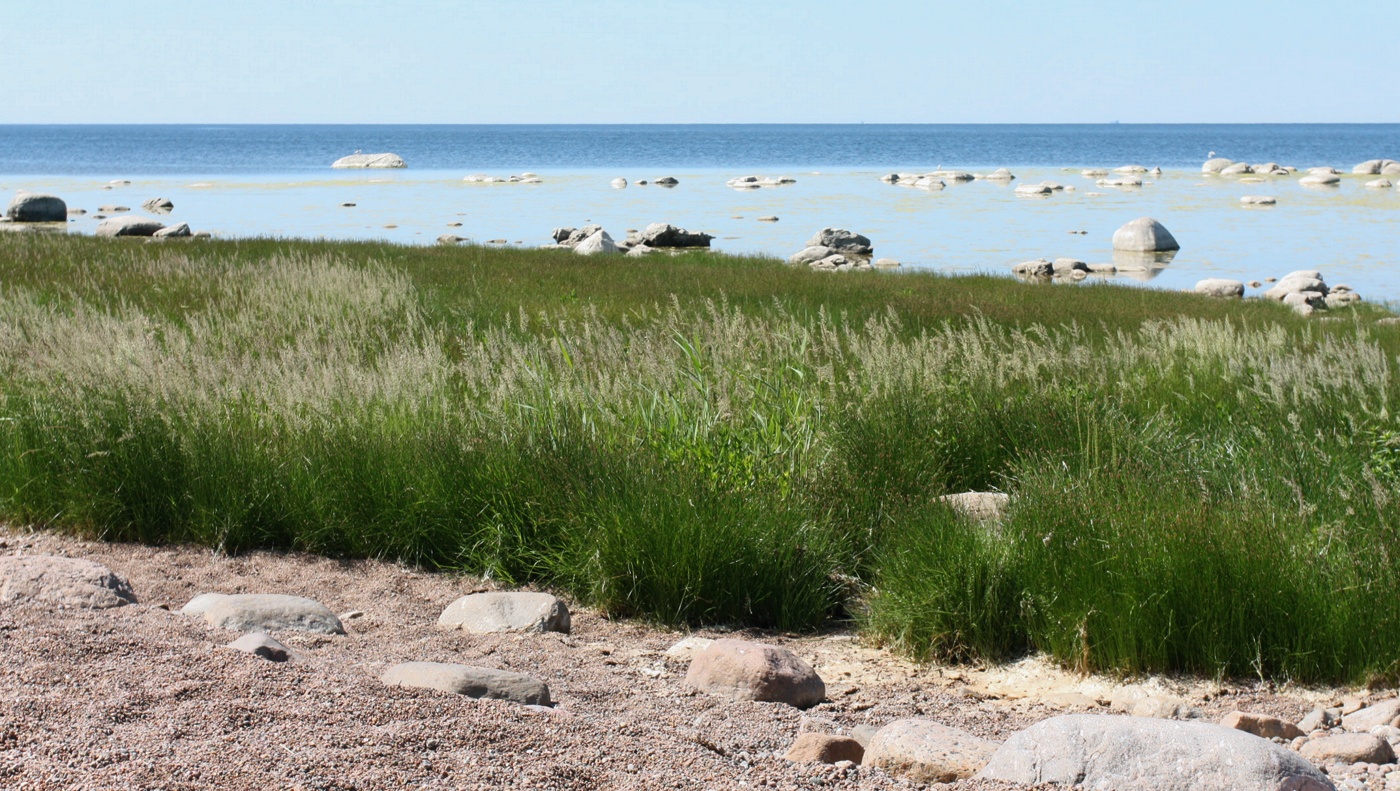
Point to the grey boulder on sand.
(1144, 235)
(128, 225)
(473, 682)
(745, 670)
(264, 612)
(1144, 754)
(263, 645)
(505, 611)
(62, 582)
(370, 161)
(928, 752)
(37, 207)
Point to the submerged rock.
(355, 161)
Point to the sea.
(276, 180)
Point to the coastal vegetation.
(1196, 484)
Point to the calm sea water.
(276, 180)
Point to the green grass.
(1198, 485)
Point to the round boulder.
(744, 670)
(1348, 748)
(824, 748)
(506, 611)
(1144, 235)
(37, 207)
(62, 582)
(1220, 287)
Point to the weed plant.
(1197, 485)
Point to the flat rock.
(768, 218)
(159, 205)
(927, 752)
(808, 255)
(128, 225)
(62, 582)
(824, 748)
(506, 611)
(1220, 287)
(1261, 725)
(1348, 748)
(1105, 752)
(262, 644)
(1039, 268)
(264, 612)
(1144, 235)
(1379, 714)
(450, 238)
(1320, 180)
(978, 506)
(687, 649)
(355, 161)
(1258, 200)
(660, 234)
(472, 682)
(745, 670)
(36, 207)
(1380, 184)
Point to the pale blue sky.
(694, 61)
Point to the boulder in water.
(1144, 235)
(356, 161)
(37, 207)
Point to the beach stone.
(62, 582)
(666, 181)
(1236, 169)
(159, 205)
(1097, 751)
(1325, 171)
(927, 183)
(1220, 287)
(1391, 169)
(809, 255)
(1299, 299)
(885, 263)
(264, 612)
(842, 241)
(978, 506)
(506, 611)
(450, 238)
(768, 218)
(1033, 189)
(1370, 167)
(128, 225)
(1130, 169)
(1144, 235)
(180, 230)
(1348, 748)
(927, 752)
(687, 649)
(599, 243)
(1320, 179)
(639, 251)
(36, 207)
(832, 262)
(824, 748)
(1320, 718)
(1120, 181)
(1258, 200)
(1367, 718)
(660, 234)
(745, 670)
(1295, 283)
(1341, 299)
(1380, 184)
(1261, 725)
(1093, 173)
(472, 682)
(1039, 268)
(1068, 266)
(370, 161)
(863, 733)
(262, 644)
(951, 175)
(618, 183)
(1000, 174)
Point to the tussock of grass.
(1198, 485)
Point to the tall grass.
(1196, 485)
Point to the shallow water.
(1348, 232)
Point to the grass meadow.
(1197, 485)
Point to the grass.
(1198, 485)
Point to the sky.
(698, 61)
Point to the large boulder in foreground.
(355, 161)
(1144, 754)
(37, 207)
(840, 240)
(928, 752)
(1144, 235)
(62, 582)
(744, 670)
(506, 611)
(264, 612)
(128, 225)
(473, 682)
